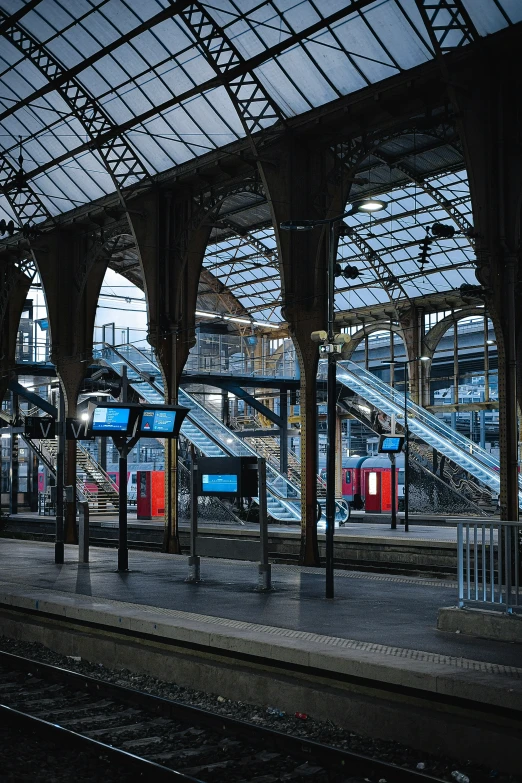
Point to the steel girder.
(254, 106)
(449, 24)
(119, 158)
(23, 200)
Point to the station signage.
(227, 476)
(40, 427)
(133, 420)
(77, 429)
(391, 444)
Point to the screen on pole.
(391, 444)
(112, 419)
(158, 421)
(219, 482)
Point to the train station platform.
(363, 543)
(360, 657)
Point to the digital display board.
(391, 444)
(220, 483)
(158, 421)
(110, 419)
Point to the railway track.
(164, 740)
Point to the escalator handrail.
(286, 502)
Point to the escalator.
(202, 428)
(473, 459)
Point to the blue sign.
(219, 482)
(158, 421)
(112, 419)
(391, 444)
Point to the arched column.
(14, 287)
(301, 183)
(490, 114)
(171, 235)
(71, 270)
(412, 325)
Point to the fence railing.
(488, 565)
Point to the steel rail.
(329, 757)
(147, 770)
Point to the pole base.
(59, 553)
(123, 559)
(194, 574)
(264, 579)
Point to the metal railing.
(488, 565)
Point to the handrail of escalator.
(467, 446)
(426, 421)
(205, 412)
(220, 425)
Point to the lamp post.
(332, 349)
(406, 438)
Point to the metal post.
(283, 432)
(393, 492)
(83, 532)
(103, 452)
(331, 417)
(406, 454)
(60, 459)
(123, 551)
(13, 462)
(33, 462)
(265, 569)
(460, 563)
(194, 562)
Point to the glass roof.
(149, 73)
(384, 247)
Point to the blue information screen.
(219, 482)
(391, 444)
(158, 421)
(114, 419)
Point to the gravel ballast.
(306, 727)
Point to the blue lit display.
(113, 419)
(158, 421)
(391, 444)
(219, 482)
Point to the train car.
(356, 485)
(375, 483)
(351, 478)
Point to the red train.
(367, 482)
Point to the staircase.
(202, 428)
(270, 448)
(473, 459)
(104, 498)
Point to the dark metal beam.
(237, 72)
(119, 158)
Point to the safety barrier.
(488, 565)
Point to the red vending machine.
(151, 494)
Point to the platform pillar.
(489, 108)
(171, 233)
(72, 266)
(303, 182)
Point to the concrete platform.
(372, 659)
(363, 545)
(396, 610)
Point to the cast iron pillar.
(171, 236)
(489, 104)
(304, 182)
(72, 268)
(15, 281)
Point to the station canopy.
(154, 77)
